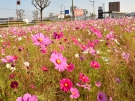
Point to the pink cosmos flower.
(74, 93)
(59, 61)
(85, 86)
(92, 51)
(126, 56)
(83, 78)
(65, 84)
(90, 44)
(110, 36)
(70, 67)
(98, 83)
(43, 50)
(75, 40)
(95, 64)
(97, 32)
(57, 35)
(44, 68)
(27, 97)
(2, 51)
(62, 48)
(8, 59)
(40, 39)
(101, 96)
(83, 47)
(32, 86)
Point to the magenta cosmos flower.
(14, 84)
(27, 97)
(101, 96)
(40, 39)
(57, 35)
(65, 84)
(95, 64)
(59, 61)
(70, 67)
(83, 78)
(74, 93)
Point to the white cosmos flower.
(79, 39)
(20, 38)
(26, 64)
(77, 55)
(8, 65)
(116, 41)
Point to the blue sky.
(7, 7)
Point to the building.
(3, 20)
(132, 14)
(114, 6)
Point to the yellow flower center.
(66, 84)
(40, 39)
(58, 61)
(73, 93)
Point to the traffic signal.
(100, 14)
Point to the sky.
(8, 7)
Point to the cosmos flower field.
(89, 60)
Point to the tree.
(41, 5)
(35, 15)
(51, 16)
(20, 14)
(92, 15)
(85, 11)
(72, 10)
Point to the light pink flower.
(43, 50)
(110, 36)
(40, 39)
(97, 32)
(98, 83)
(65, 84)
(74, 93)
(27, 97)
(8, 59)
(59, 61)
(126, 56)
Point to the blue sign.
(66, 11)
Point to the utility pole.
(73, 10)
(104, 9)
(17, 3)
(93, 6)
(61, 12)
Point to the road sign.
(78, 12)
(66, 11)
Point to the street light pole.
(93, 7)
(104, 9)
(61, 12)
(17, 3)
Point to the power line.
(15, 10)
